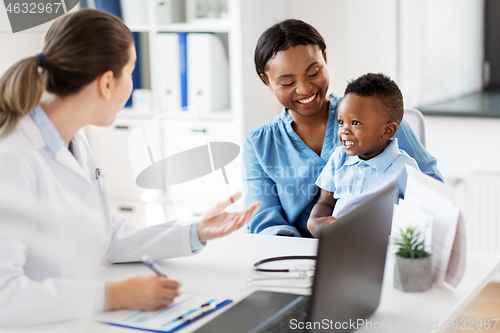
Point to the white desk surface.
(224, 266)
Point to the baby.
(369, 158)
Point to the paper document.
(407, 214)
(448, 230)
(186, 309)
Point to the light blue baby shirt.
(353, 180)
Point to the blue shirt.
(352, 180)
(54, 141)
(280, 170)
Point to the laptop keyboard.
(282, 323)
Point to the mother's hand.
(216, 222)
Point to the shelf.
(140, 27)
(223, 26)
(202, 26)
(485, 104)
(222, 115)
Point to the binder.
(173, 76)
(208, 72)
(137, 73)
(183, 68)
(110, 6)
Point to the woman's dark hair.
(79, 47)
(382, 88)
(282, 36)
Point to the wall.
(463, 145)
(440, 49)
(259, 102)
(360, 36)
(19, 45)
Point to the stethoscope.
(300, 271)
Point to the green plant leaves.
(410, 244)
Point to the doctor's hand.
(148, 292)
(216, 222)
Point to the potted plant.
(412, 270)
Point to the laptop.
(347, 282)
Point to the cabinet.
(178, 130)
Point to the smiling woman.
(283, 157)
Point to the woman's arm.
(270, 218)
(408, 142)
(321, 214)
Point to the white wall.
(360, 36)
(19, 45)
(441, 49)
(259, 102)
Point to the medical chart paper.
(169, 319)
(448, 229)
(407, 214)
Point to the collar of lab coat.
(61, 152)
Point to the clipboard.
(185, 310)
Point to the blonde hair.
(79, 47)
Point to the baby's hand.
(315, 224)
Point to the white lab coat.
(56, 226)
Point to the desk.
(223, 267)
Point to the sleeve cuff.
(196, 245)
(99, 297)
(285, 230)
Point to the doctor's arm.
(270, 219)
(174, 239)
(152, 292)
(321, 214)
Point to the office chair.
(416, 121)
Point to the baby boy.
(369, 157)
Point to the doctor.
(54, 208)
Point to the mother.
(283, 157)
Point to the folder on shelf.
(110, 6)
(208, 72)
(173, 71)
(137, 73)
(185, 310)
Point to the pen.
(199, 312)
(99, 178)
(153, 265)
